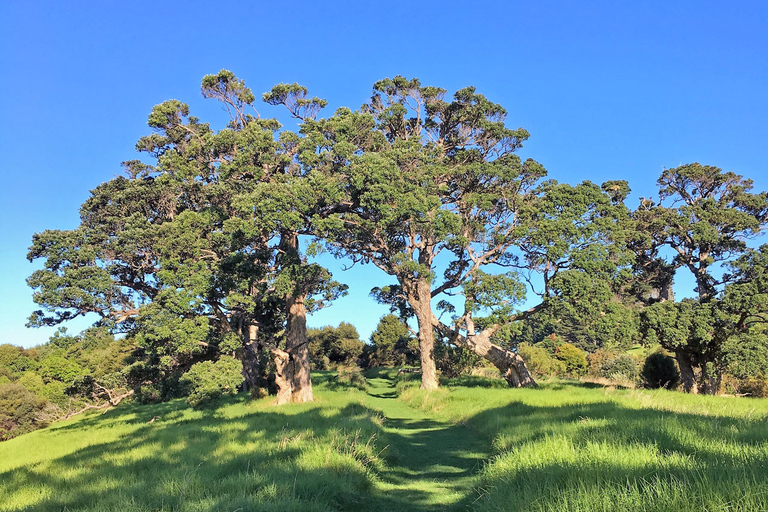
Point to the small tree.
(392, 344)
(335, 345)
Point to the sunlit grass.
(573, 447)
(241, 455)
(472, 445)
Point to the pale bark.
(113, 401)
(283, 375)
(423, 309)
(510, 364)
(297, 347)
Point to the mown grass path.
(431, 464)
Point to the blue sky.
(608, 90)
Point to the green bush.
(20, 411)
(351, 376)
(32, 381)
(539, 360)
(597, 359)
(206, 382)
(60, 369)
(453, 361)
(149, 394)
(623, 365)
(660, 371)
(574, 359)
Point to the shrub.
(20, 411)
(149, 394)
(206, 382)
(351, 376)
(623, 365)
(659, 370)
(754, 386)
(539, 360)
(32, 382)
(61, 369)
(453, 361)
(574, 359)
(596, 360)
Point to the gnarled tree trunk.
(687, 373)
(283, 376)
(709, 381)
(510, 364)
(297, 346)
(249, 355)
(292, 366)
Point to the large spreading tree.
(433, 193)
(196, 255)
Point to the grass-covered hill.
(473, 445)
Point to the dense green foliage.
(21, 411)
(704, 217)
(196, 254)
(207, 381)
(334, 346)
(391, 345)
(61, 377)
(659, 371)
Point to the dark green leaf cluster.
(659, 371)
(208, 381)
(331, 347)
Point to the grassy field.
(579, 447)
(473, 445)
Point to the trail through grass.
(473, 445)
(431, 463)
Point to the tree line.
(201, 253)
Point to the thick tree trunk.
(709, 383)
(423, 309)
(297, 347)
(510, 364)
(687, 373)
(249, 355)
(293, 365)
(283, 376)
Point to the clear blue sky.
(608, 90)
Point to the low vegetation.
(474, 444)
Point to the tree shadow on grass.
(325, 457)
(606, 456)
(267, 460)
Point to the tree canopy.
(195, 255)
